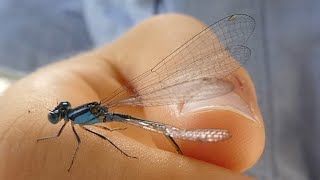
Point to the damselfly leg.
(55, 136)
(78, 145)
(174, 144)
(106, 139)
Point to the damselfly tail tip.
(220, 135)
(227, 135)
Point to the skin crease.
(78, 80)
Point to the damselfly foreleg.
(55, 136)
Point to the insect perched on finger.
(194, 72)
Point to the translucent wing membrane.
(194, 71)
(192, 90)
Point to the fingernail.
(231, 101)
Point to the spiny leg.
(108, 129)
(55, 136)
(104, 138)
(175, 145)
(79, 141)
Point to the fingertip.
(236, 112)
(237, 153)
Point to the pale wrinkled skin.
(78, 80)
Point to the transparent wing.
(187, 91)
(215, 53)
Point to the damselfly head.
(59, 112)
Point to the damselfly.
(194, 72)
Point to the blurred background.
(284, 63)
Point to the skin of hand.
(93, 75)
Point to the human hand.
(94, 75)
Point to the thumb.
(237, 112)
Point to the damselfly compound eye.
(54, 117)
